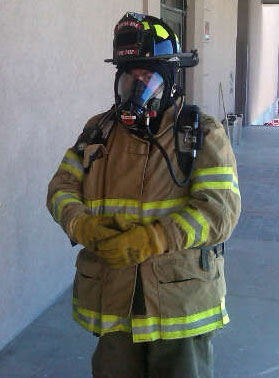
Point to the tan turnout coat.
(131, 177)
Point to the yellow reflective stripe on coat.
(61, 199)
(195, 225)
(152, 328)
(155, 328)
(214, 178)
(99, 323)
(72, 164)
(156, 209)
(109, 207)
(133, 209)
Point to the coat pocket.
(87, 288)
(184, 288)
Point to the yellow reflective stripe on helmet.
(145, 25)
(187, 227)
(72, 164)
(161, 31)
(61, 199)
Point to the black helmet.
(139, 37)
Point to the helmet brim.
(188, 59)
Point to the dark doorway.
(242, 60)
(173, 12)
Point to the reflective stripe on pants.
(116, 356)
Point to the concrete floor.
(55, 347)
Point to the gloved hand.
(133, 245)
(87, 230)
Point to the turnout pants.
(116, 356)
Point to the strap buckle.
(219, 250)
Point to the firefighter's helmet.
(148, 57)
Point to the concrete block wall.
(52, 80)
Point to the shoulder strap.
(188, 138)
(96, 130)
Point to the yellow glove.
(87, 230)
(133, 245)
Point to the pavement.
(53, 346)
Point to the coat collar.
(168, 116)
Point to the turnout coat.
(178, 297)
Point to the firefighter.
(150, 191)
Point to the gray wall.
(263, 48)
(52, 80)
(217, 54)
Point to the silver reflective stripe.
(235, 184)
(70, 161)
(224, 312)
(101, 324)
(97, 210)
(121, 209)
(58, 200)
(215, 178)
(196, 226)
(177, 327)
(106, 209)
(162, 211)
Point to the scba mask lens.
(139, 93)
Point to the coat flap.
(88, 264)
(185, 266)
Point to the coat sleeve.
(214, 203)
(64, 199)
(65, 190)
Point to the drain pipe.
(226, 121)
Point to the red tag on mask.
(128, 119)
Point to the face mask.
(138, 96)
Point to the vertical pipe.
(145, 6)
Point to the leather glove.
(133, 245)
(87, 230)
